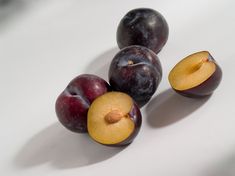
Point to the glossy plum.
(137, 71)
(143, 26)
(73, 103)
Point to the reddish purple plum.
(73, 103)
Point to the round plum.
(143, 26)
(137, 71)
(73, 103)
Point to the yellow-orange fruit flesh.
(192, 71)
(108, 118)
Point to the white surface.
(46, 43)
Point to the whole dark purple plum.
(143, 26)
(137, 71)
(73, 103)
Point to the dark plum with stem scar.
(137, 71)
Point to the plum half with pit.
(114, 119)
(137, 71)
(195, 76)
(143, 26)
(73, 103)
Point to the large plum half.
(114, 119)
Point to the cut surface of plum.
(110, 120)
(196, 76)
(192, 71)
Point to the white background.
(46, 43)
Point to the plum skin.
(137, 71)
(207, 87)
(73, 103)
(143, 26)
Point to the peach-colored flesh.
(191, 71)
(110, 133)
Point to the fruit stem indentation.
(198, 66)
(130, 62)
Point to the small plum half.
(137, 71)
(114, 119)
(197, 75)
(73, 103)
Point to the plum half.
(73, 103)
(143, 26)
(114, 119)
(197, 75)
(137, 71)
